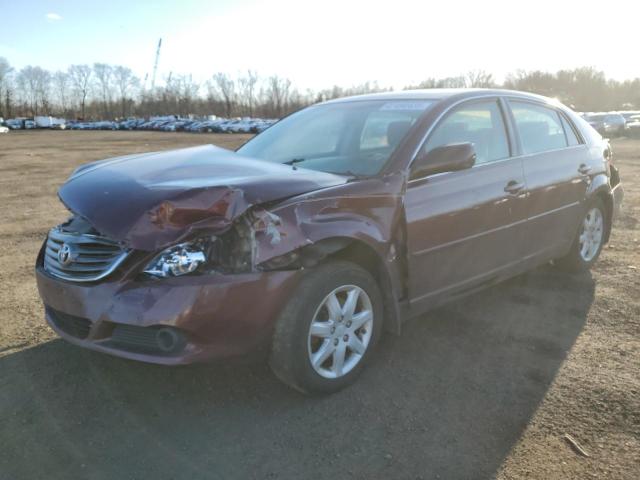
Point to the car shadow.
(447, 399)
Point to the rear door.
(556, 172)
(465, 227)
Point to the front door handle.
(584, 169)
(514, 187)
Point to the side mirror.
(447, 158)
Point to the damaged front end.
(207, 209)
(251, 245)
(210, 243)
(247, 245)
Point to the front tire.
(589, 240)
(327, 332)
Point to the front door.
(465, 227)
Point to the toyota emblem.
(64, 255)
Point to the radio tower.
(155, 65)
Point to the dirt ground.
(484, 388)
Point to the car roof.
(439, 94)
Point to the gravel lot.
(484, 388)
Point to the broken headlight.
(178, 260)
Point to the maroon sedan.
(339, 222)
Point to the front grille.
(81, 257)
(75, 326)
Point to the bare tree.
(247, 89)
(5, 72)
(278, 93)
(103, 74)
(188, 93)
(8, 100)
(226, 88)
(80, 76)
(34, 84)
(61, 86)
(125, 81)
(428, 83)
(30, 91)
(539, 82)
(479, 79)
(584, 88)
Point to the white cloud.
(53, 17)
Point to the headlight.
(177, 260)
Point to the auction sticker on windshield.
(404, 105)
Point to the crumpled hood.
(151, 200)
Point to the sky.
(320, 43)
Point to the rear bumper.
(219, 315)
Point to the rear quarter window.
(570, 133)
(540, 128)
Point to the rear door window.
(540, 128)
(572, 138)
(480, 123)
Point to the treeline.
(584, 89)
(106, 91)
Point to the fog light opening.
(169, 340)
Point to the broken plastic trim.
(245, 247)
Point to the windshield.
(353, 138)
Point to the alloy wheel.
(340, 331)
(591, 234)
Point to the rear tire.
(589, 240)
(328, 331)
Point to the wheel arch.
(360, 252)
(367, 230)
(366, 257)
(600, 189)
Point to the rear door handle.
(514, 187)
(584, 169)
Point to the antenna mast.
(155, 65)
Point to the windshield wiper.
(293, 161)
(348, 173)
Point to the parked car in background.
(4, 129)
(170, 123)
(209, 126)
(334, 225)
(15, 123)
(629, 114)
(129, 124)
(606, 123)
(632, 126)
(193, 127)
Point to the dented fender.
(373, 220)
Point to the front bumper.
(219, 315)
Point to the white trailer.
(47, 122)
